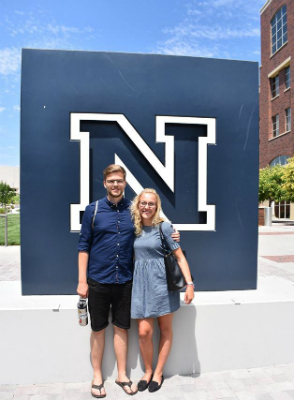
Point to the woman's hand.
(83, 290)
(189, 294)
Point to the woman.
(150, 296)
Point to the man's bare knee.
(98, 333)
(119, 330)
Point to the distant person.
(150, 297)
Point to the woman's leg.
(146, 345)
(165, 343)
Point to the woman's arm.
(189, 294)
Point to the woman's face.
(147, 207)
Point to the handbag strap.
(163, 241)
(94, 215)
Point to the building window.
(275, 86)
(287, 77)
(276, 129)
(279, 29)
(288, 119)
(282, 160)
(282, 209)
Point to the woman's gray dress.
(150, 297)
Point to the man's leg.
(121, 319)
(120, 342)
(99, 304)
(97, 349)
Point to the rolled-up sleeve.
(86, 236)
(167, 230)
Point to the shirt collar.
(122, 203)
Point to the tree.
(15, 199)
(288, 179)
(6, 194)
(271, 181)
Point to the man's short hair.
(113, 168)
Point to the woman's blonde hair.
(136, 213)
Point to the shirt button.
(118, 244)
(117, 210)
(118, 222)
(116, 267)
(117, 255)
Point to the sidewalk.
(271, 383)
(276, 251)
(276, 259)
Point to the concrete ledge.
(41, 340)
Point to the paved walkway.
(276, 258)
(270, 383)
(9, 263)
(276, 251)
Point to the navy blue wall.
(140, 86)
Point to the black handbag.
(174, 276)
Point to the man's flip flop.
(129, 384)
(98, 387)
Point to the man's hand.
(176, 235)
(83, 289)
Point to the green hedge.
(13, 229)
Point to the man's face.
(115, 184)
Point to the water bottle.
(83, 312)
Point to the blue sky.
(216, 28)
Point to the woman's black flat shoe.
(154, 386)
(143, 385)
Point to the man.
(105, 274)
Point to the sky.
(227, 29)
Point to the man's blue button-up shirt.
(110, 243)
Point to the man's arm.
(85, 243)
(82, 288)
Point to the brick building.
(276, 133)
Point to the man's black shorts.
(101, 296)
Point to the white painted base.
(41, 340)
